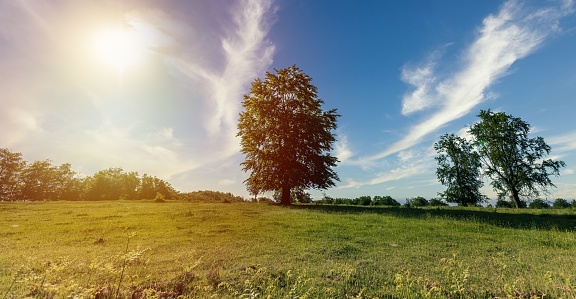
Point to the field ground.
(142, 249)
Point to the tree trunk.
(516, 198)
(285, 199)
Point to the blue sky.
(156, 86)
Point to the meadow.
(144, 249)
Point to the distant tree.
(286, 136)
(560, 203)
(514, 161)
(11, 165)
(435, 202)
(417, 201)
(39, 181)
(459, 170)
(108, 184)
(363, 200)
(212, 196)
(385, 201)
(68, 185)
(501, 203)
(301, 196)
(340, 201)
(539, 204)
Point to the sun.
(119, 48)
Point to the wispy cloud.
(563, 143)
(341, 149)
(511, 34)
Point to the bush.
(435, 202)
(504, 204)
(159, 197)
(363, 200)
(560, 203)
(418, 201)
(385, 201)
(539, 204)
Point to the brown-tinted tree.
(286, 136)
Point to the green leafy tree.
(560, 203)
(68, 186)
(39, 181)
(11, 165)
(385, 201)
(436, 202)
(539, 204)
(286, 136)
(514, 161)
(417, 201)
(459, 170)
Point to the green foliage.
(363, 200)
(459, 170)
(514, 161)
(560, 203)
(417, 201)
(538, 204)
(436, 202)
(285, 135)
(41, 180)
(501, 203)
(385, 201)
(211, 196)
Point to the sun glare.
(119, 49)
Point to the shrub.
(417, 201)
(363, 200)
(385, 201)
(159, 197)
(435, 202)
(503, 204)
(560, 203)
(539, 204)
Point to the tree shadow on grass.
(563, 220)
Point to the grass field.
(142, 249)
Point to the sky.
(156, 86)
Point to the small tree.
(385, 201)
(459, 170)
(514, 161)
(435, 202)
(560, 203)
(286, 136)
(417, 201)
(539, 204)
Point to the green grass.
(197, 250)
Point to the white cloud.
(563, 143)
(341, 149)
(511, 34)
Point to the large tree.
(459, 170)
(286, 136)
(513, 160)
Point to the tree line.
(287, 138)
(41, 180)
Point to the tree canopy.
(459, 170)
(514, 161)
(286, 136)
